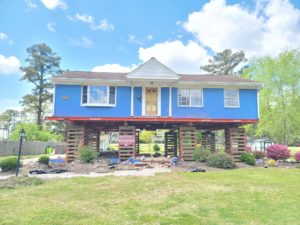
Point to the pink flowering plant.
(278, 151)
(297, 156)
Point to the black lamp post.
(22, 135)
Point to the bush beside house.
(87, 154)
(9, 163)
(220, 160)
(278, 151)
(200, 154)
(248, 158)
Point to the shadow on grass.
(13, 182)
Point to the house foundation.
(180, 140)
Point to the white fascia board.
(240, 85)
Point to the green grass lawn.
(144, 148)
(245, 196)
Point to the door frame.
(158, 101)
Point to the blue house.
(152, 96)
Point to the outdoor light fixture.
(22, 135)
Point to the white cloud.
(50, 27)
(9, 65)
(30, 4)
(88, 19)
(113, 68)
(81, 42)
(179, 57)
(139, 41)
(52, 4)
(103, 25)
(4, 38)
(271, 26)
(84, 18)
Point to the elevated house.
(150, 97)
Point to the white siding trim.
(170, 101)
(132, 101)
(258, 110)
(53, 100)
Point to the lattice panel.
(235, 142)
(127, 140)
(170, 144)
(75, 138)
(187, 142)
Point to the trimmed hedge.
(9, 163)
(248, 158)
(220, 160)
(44, 159)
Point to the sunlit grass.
(246, 196)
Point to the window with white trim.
(231, 98)
(98, 95)
(190, 97)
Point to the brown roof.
(213, 78)
(183, 77)
(92, 75)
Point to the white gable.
(151, 70)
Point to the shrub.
(297, 156)
(87, 154)
(9, 163)
(156, 148)
(220, 160)
(248, 158)
(259, 154)
(277, 151)
(200, 154)
(44, 159)
(271, 162)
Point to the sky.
(118, 35)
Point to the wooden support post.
(170, 144)
(92, 138)
(75, 140)
(127, 138)
(187, 142)
(235, 142)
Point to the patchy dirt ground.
(103, 167)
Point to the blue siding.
(213, 106)
(164, 102)
(138, 95)
(71, 106)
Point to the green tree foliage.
(146, 137)
(42, 65)
(34, 133)
(224, 63)
(280, 96)
(8, 120)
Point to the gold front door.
(151, 101)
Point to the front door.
(151, 95)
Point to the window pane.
(184, 97)
(98, 95)
(231, 98)
(84, 95)
(196, 97)
(112, 94)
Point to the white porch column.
(132, 99)
(170, 101)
